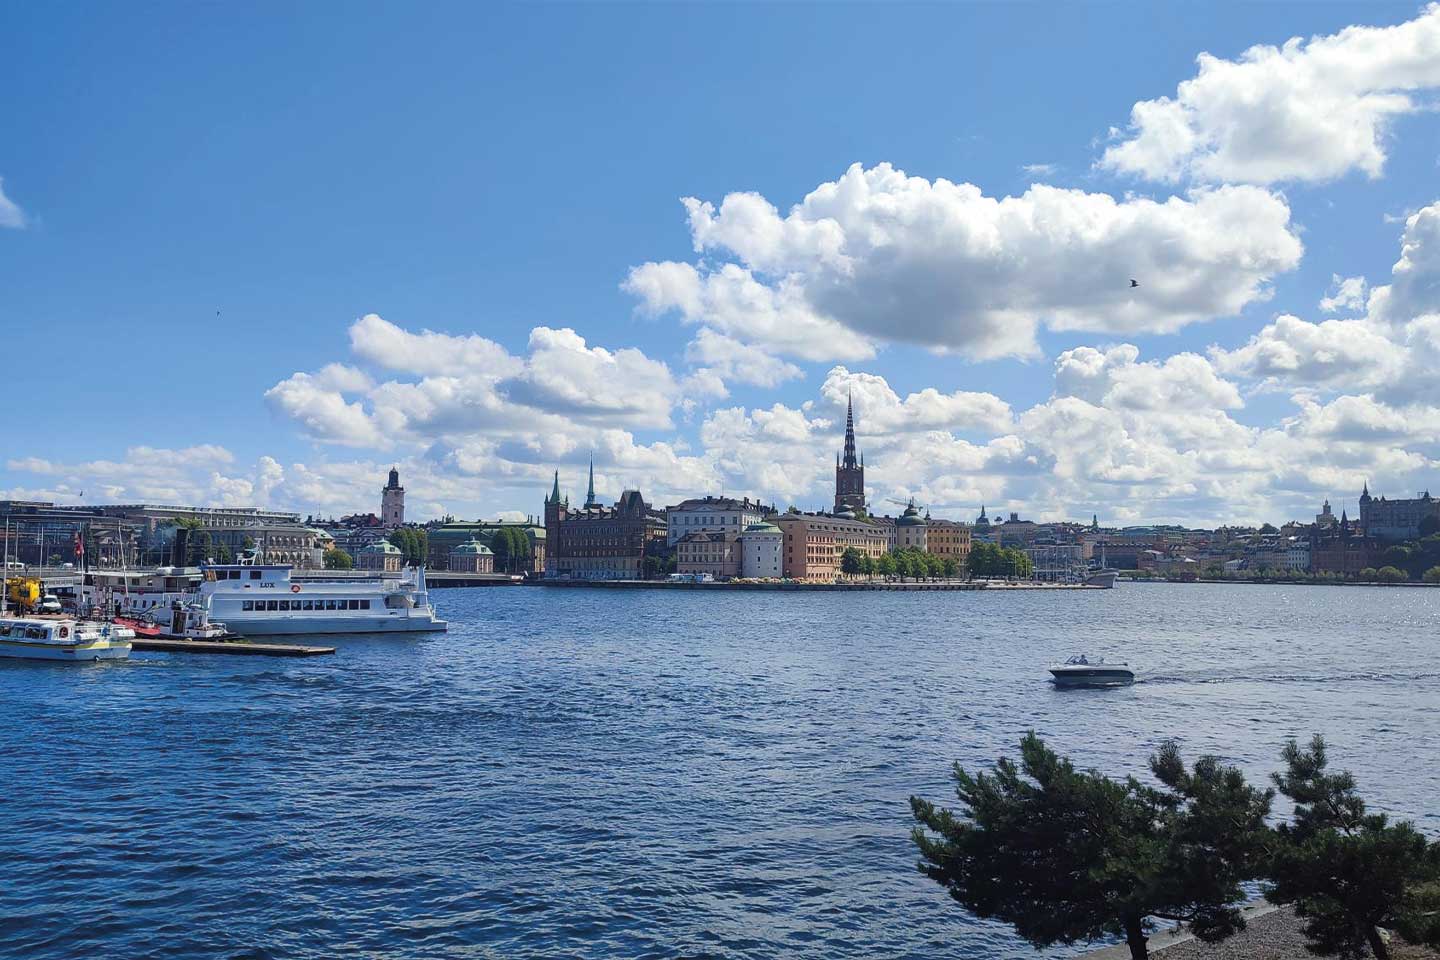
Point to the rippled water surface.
(595, 773)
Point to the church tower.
(392, 501)
(556, 510)
(849, 472)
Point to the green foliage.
(867, 565)
(1269, 528)
(1369, 573)
(413, 543)
(337, 559)
(511, 548)
(885, 566)
(991, 560)
(1065, 855)
(949, 568)
(656, 567)
(199, 549)
(1348, 872)
(1396, 556)
(248, 543)
(850, 562)
(223, 554)
(1391, 575)
(1432, 575)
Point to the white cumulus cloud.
(10, 214)
(1306, 111)
(889, 257)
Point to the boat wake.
(1373, 677)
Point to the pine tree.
(1348, 873)
(1065, 856)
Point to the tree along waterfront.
(1065, 855)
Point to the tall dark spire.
(555, 493)
(590, 493)
(850, 461)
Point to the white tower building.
(760, 550)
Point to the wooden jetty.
(241, 647)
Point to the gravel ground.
(1275, 936)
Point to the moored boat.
(258, 599)
(60, 638)
(1081, 671)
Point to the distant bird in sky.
(1134, 282)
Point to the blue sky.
(202, 203)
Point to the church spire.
(555, 493)
(590, 493)
(850, 462)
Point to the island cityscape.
(731, 481)
(714, 538)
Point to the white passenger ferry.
(262, 598)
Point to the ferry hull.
(303, 626)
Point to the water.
(591, 773)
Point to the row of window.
(230, 574)
(259, 605)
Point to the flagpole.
(5, 577)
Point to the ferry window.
(247, 605)
(234, 574)
(284, 604)
(254, 574)
(329, 604)
(364, 604)
(307, 604)
(354, 604)
(271, 605)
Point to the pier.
(240, 647)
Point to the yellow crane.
(23, 593)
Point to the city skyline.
(694, 310)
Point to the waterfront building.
(444, 538)
(814, 543)
(1344, 551)
(42, 533)
(1325, 520)
(910, 529)
(949, 540)
(715, 553)
(761, 550)
(380, 556)
(849, 471)
(1397, 519)
(600, 543)
(392, 501)
(154, 516)
(1014, 532)
(1297, 554)
(472, 556)
(723, 515)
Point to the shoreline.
(912, 587)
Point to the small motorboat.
(59, 638)
(1081, 671)
(144, 625)
(191, 621)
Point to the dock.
(240, 647)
